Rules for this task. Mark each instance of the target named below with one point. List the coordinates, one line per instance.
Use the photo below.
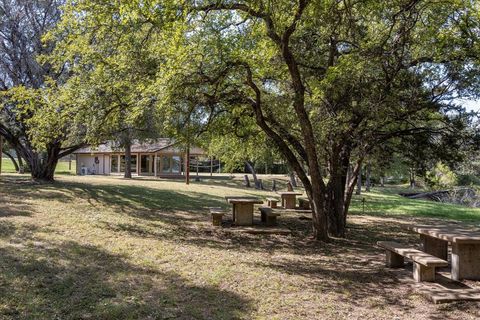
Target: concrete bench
(268, 216)
(304, 203)
(424, 264)
(272, 202)
(217, 216)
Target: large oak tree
(328, 81)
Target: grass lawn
(62, 166)
(92, 247)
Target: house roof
(112, 147)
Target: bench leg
(423, 273)
(271, 221)
(394, 260)
(263, 216)
(465, 261)
(217, 220)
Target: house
(161, 158)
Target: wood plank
(449, 233)
(438, 293)
(413, 254)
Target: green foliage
(441, 177)
(468, 180)
(112, 70)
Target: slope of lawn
(108, 248)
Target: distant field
(62, 167)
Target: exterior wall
(104, 163)
(88, 161)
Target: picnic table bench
(304, 203)
(272, 202)
(424, 264)
(242, 209)
(465, 247)
(268, 216)
(217, 216)
(289, 199)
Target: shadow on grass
(73, 281)
(123, 197)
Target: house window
(114, 163)
(176, 164)
(165, 164)
(146, 163)
(133, 166)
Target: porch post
(187, 166)
(138, 164)
(196, 159)
(155, 164)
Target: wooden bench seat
(272, 202)
(217, 216)
(304, 203)
(268, 216)
(424, 264)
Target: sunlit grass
(387, 202)
(63, 167)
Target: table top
(243, 199)
(452, 233)
(290, 193)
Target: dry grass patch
(104, 247)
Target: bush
(441, 177)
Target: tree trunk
(251, 168)
(293, 181)
(367, 178)
(359, 182)
(339, 192)
(20, 162)
(246, 181)
(289, 186)
(412, 178)
(42, 165)
(382, 181)
(128, 159)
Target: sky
(471, 105)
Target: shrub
(441, 177)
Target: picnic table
(242, 209)
(465, 248)
(289, 199)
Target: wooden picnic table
(465, 247)
(289, 199)
(242, 209)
